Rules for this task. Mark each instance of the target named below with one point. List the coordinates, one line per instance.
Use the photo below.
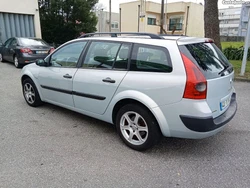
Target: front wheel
(137, 127)
(30, 93)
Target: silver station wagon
(145, 84)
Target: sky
(115, 3)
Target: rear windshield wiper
(227, 67)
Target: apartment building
(245, 15)
(229, 19)
(103, 21)
(185, 18)
(19, 19)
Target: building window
(175, 23)
(115, 25)
(151, 21)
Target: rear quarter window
(148, 58)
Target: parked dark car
(22, 51)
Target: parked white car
(148, 87)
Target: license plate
(41, 52)
(225, 103)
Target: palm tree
(211, 20)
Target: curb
(241, 79)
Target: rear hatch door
(217, 70)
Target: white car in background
(150, 86)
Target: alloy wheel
(134, 128)
(16, 62)
(29, 93)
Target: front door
(104, 68)
(6, 50)
(56, 80)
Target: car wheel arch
(125, 97)
(26, 76)
(126, 101)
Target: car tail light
(196, 84)
(26, 50)
(51, 50)
(209, 40)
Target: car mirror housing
(42, 63)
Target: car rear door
(103, 69)
(217, 71)
(56, 80)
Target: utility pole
(166, 16)
(162, 16)
(110, 16)
(244, 61)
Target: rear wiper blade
(225, 69)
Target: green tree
(211, 21)
(63, 20)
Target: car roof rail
(115, 34)
(166, 35)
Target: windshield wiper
(225, 69)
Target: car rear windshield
(209, 58)
(32, 42)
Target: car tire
(30, 93)
(137, 127)
(1, 58)
(16, 62)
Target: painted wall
(195, 26)
(103, 21)
(129, 16)
(23, 7)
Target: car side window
(7, 43)
(101, 55)
(68, 55)
(122, 58)
(13, 43)
(150, 58)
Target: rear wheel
(137, 127)
(16, 62)
(1, 57)
(30, 93)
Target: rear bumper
(207, 124)
(26, 59)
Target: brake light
(196, 84)
(209, 41)
(51, 50)
(26, 50)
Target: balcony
(230, 17)
(229, 25)
(177, 26)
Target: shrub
(233, 53)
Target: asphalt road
(53, 147)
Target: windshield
(208, 57)
(32, 42)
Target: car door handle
(67, 76)
(109, 80)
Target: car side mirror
(42, 63)
(1, 44)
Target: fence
(232, 39)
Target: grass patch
(231, 44)
(237, 67)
